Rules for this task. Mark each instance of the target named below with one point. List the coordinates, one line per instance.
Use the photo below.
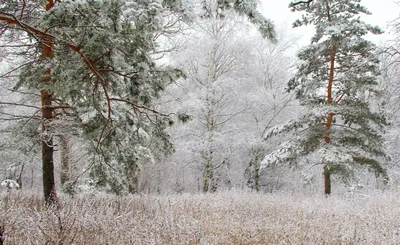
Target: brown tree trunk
(327, 137)
(19, 177)
(327, 180)
(49, 187)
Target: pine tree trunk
(46, 99)
(327, 180)
(329, 122)
(49, 188)
(327, 138)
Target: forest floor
(230, 217)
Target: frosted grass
(224, 218)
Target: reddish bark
(327, 180)
(49, 5)
(11, 19)
(327, 137)
(329, 122)
(49, 187)
(7, 19)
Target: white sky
(383, 11)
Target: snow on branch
(282, 128)
(301, 2)
(286, 153)
(334, 155)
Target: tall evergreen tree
(92, 61)
(337, 72)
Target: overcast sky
(383, 11)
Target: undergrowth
(224, 218)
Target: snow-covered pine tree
(337, 71)
(92, 61)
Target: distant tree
(390, 59)
(336, 74)
(207, 95)
(271, 66)
(212, 59)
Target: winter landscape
(199, 122)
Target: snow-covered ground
(224, 218)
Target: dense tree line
(187, 95)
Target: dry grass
(223, 218)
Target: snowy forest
(197, 122)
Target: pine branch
(137, 107)
(8, 73)
(18, 104)
(11, 19)
(302, 2)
